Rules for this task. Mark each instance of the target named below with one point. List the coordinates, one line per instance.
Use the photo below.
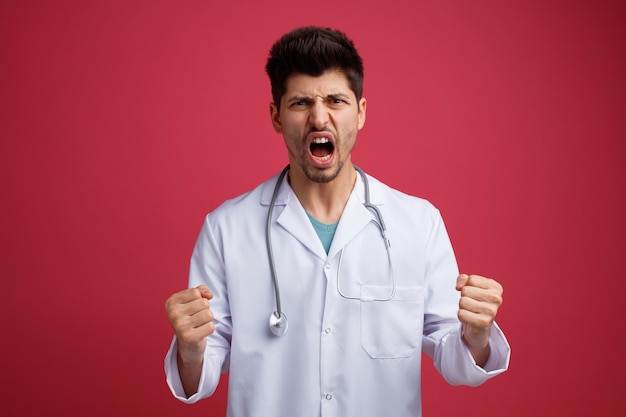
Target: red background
(124, 122)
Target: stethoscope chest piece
(278, 323)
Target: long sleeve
(456, 364)
(442, 330)
(207, 269)
(211, 372)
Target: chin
(322, 175)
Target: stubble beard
(321, 176)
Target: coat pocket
(391, 329)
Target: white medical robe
(340, 357)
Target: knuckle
(170, 303)
(174, 316)
(466, 291)
(178, 323)
(495, 285)
(488, 313)
(187, 335)
(206, 316)
(497, 299)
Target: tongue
(320, 150)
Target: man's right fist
(189, 312)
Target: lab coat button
(327, 330)
(327, 266)
(329, 397)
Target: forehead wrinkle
(328, 85)
(297, 97)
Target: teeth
(320, 140)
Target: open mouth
(321, 148)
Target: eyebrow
(332, 96)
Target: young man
(312, 245)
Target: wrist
(478, 347)
(189, 355)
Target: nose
(318, 115)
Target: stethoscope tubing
(278, 321)
(268, 238)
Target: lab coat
(340, 357)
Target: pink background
(124, 122)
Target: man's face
(319, 118)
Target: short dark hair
(312, 50)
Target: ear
(275, 116)
(361, 114)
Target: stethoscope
(278, 320)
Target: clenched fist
(189, 311)
(480, 300)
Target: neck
(324, 201)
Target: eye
(299, 103)
(336, 102)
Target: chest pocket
(391, 329)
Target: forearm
(479, 353)
(190, 372)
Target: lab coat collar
(286, 193)
(294, 219)
(356, 216)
